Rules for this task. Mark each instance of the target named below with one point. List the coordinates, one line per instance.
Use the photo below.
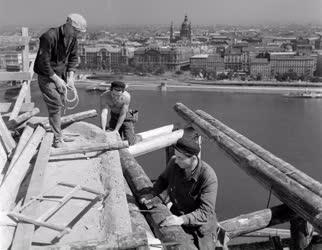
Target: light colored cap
(77, 21)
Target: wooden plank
(8, 106)
(25, 52)
(19, 101)
(15, 76)
(303, 201)
(156, 132)
(9, 142)
(3, 157)
(10, 41)
(281, 165)
(155, 143)
(27, 133)
(89, 148)
(140, 184)
(251, 222)
(10, 186)
(31, 71)
(22, 118)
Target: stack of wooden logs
(301, 193)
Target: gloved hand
(60, 85)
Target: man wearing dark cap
(117, 100)
(55, 65)
(192, 188)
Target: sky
(40, 13)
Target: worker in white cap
(55, 65)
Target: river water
(288, 127)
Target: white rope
(75, 97)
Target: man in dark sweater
(55, 65)
(192, 186)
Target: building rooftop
(200, 56)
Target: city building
(172, 58)
(260, 68)
(236, 60)
(285, 62)
(103, 58)
(207, 62)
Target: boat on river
(305, 94)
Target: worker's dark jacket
(55, 55)
(193, 195)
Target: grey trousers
(126, 130)
(54, 102)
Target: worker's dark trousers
(54, 103)
(126, 130)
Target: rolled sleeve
(207, 205)
(73, 58)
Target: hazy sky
(110, 12)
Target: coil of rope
(74, 99)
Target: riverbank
(174, 85)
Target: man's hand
(172, 220)
(147, 200)
(60, 84)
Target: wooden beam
(8, 106)
(89, 148)
(114, 241)
(267, 156)
(140, 184)
(303, 201)
(10, 185)
(15, 76)
(10, 41)
(156, 132)
(247, 223)
(155, 143)
(22, 94)
(9, 142)
(24, 138)
(115, 208)
(69, 119)
(25, 52)
(22, 118)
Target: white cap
(77, 21)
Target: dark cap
(118, 85)
(187, 147)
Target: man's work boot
(58, 143)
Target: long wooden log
(113, 241)
(116, 211)
(138, 220)
(9, 142)
(27, 133)
(10, 186)
(90, 148)
(247, 223)
(267, 156)
(139, 184)
(303, 201)
(156, 132)
(65, 120)
(22, 118)
(3, 158)
(8, 106)
(24, 232)
(155, 143)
